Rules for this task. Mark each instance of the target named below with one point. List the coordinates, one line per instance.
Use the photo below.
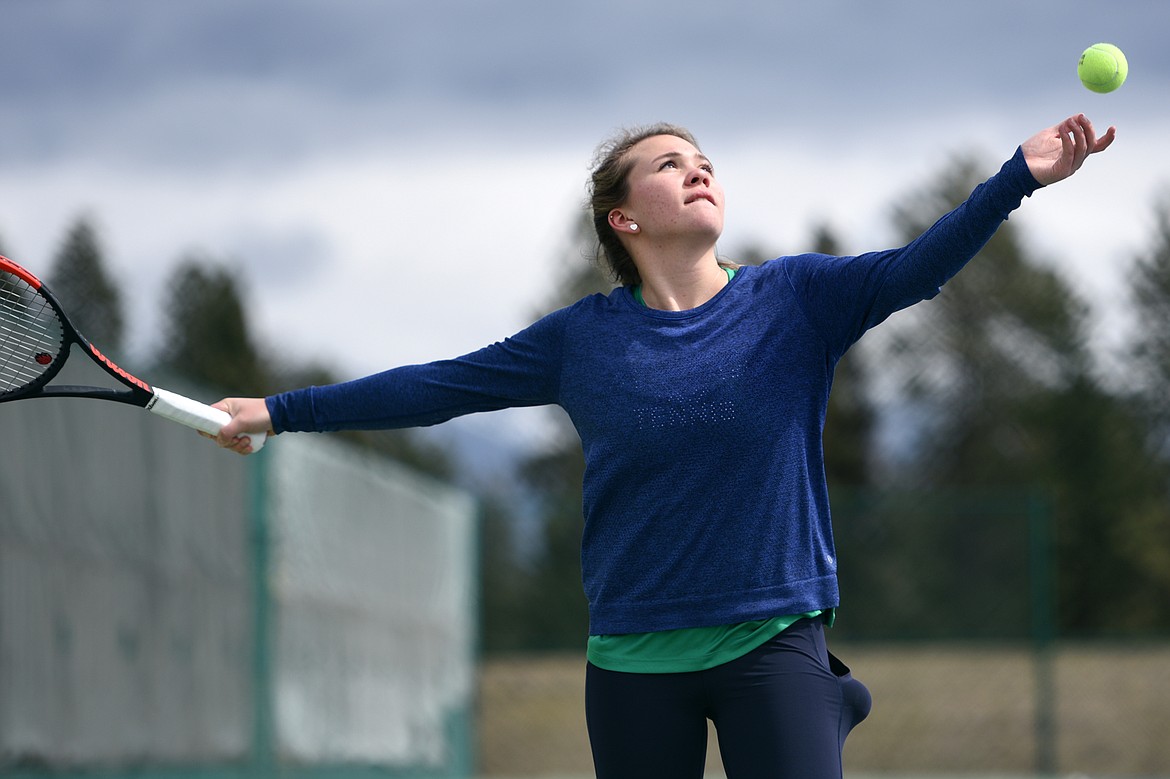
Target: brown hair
(609, 187)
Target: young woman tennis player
(699, 391)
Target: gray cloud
(264, 130)
(219, 82)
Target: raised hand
(1059, 151)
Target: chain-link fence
(956, 643)
(170, 609)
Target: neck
(680, 285)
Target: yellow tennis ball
(1102, 67)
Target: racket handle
(194, 414)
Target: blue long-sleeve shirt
(705, 496)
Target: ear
(622, 222)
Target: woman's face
(673, 192)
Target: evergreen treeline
(205, 340)
(992, 476)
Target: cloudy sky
(396, 181)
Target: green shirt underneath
(686, 649)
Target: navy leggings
(781, 712)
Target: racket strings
(31, 334)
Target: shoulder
(616, 301)
(593, 305)
(589, 309)
(788, 269)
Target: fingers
(1106, 139)
(1078, 140)
(1076, 137)
(1083, 138)
(240, 444)
(1080, 127)
(227, 436)
(1067, 130)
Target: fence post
(263, 735)
(1043, 631)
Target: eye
(667, 164)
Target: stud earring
(633, 227)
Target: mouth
(700, 196)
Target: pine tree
(1149, 358)
(1002, 335)
(80, 281)
(1000, 390)
(850, 420)
(206, 335)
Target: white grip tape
(194, 414)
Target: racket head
(35, 335)
(35, 341)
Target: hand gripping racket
(36, 339)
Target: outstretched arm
(522, 370)
(1059, 151)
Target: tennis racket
(36, 338)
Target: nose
(698, 176)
